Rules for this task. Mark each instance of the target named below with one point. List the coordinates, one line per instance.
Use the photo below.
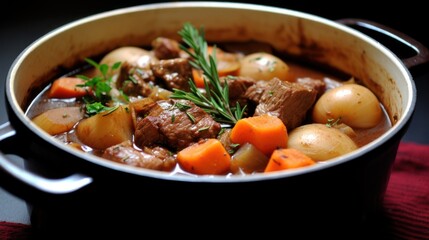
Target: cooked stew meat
(198, 108)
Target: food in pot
(197, 108)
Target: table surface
(34, 20)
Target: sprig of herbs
(100, 86)
(332, 122)
(215, 100)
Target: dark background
(21, 23)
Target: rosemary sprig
(215, 101)
(332, 122)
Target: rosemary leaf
(215, 100)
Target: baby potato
(354, 104)
(263, 66)
(320, 142)
(133, 55)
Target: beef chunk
(165, 48)
(238, 86)
(125, 153)
(179, 124)
(287, 100)
(142, 80)
(316, 84)
(148, 132)
(225, 139)
(168, 157)
(174, 73)
(255, 92)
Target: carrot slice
(205, 157)
(287, 158)
(197, 75)
(65, 87)
(265, 132)
(227, 64)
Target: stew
(208, 108)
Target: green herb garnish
(100, 86)
(215, 100)
(97, 107)
(204, 128)
(332, 122)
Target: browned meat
(255, 92)
(144, 107)
(316, 84)
(238, 86)
(287, 100)
(126, 154)
(178, 125)
(165, 48)
(148, 132)
(225, 139)
(135, 81)
(175, 73)
(162, 153)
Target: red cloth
(406, 204)
(14, 231)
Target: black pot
(72, 193)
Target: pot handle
(421, 52)
(16, 179)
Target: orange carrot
(265, 132)
(205, 157)
(197, 75)
(287, 158)
(227, 64)
(65, 87)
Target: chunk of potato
(106, 129)
(248, 159)
(58, 120)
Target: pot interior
(294, 33)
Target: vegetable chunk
(205, 157)
(265, 132)
(287, 158)
(58, 120)
(67, 87)
(248, 159)
(320, 142)
(106, 129)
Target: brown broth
(296, 70)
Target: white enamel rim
(408, 108)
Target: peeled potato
(320, 142)
(58, 120)
(134, 55)
(248, 159)
(355, 105)
(106, 129)
(263, 66)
